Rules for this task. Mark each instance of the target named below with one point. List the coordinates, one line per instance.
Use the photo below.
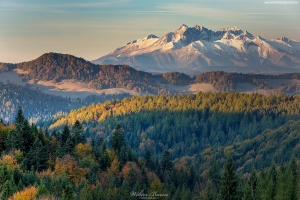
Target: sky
(91, 29)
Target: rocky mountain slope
(198, 49)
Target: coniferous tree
(68, 147)
(292, 178)
(100, 194)
(68, 192)
(78, 136)
(27, 136)
(117, 141)
(19, 120)
(7, 190)
(272, 182)
(247, 193)
(37, 157)
(65, 135)
(208, 193)
(42, 190)
(252, 182)
(214, 175)
(14, 140)
(229, 186)
(166, 164)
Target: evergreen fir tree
(27, 136)
(292, 177)
(85, 193)
(247, 193)
(4, 174)
(37, 157)
(117, 141)
(208, 193)
(272, 182)
(68, 148)
(78, 136)
(19, 120)
(7, 191)
(100, 193)
(253, 181)
(228, 190)
(166, 163)
(42, 190)
(214, 175)
(68, 192)
(65, 135)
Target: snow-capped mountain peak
(197, 49)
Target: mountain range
(198, 49)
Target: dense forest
(188, 125)
(36, 164)
(228, 81)
(40, 106)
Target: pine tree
(214, 175)
(144, 182)
(253, 182)
(27, 136)
(78, 136)
(292, 177)
(19, 120)
(68, 192)
(68, 147)
(166, 163)
(37, 157)
(14, 140)
(7, 190)
(100, 193)
(42, 190)
(4, 174)
(65, 135)
(117, 141)
(228, 190)
(272, 182)
(208, 193)
(148, 158)
(247, 193)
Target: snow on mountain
(198, 49)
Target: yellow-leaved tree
(26, 194)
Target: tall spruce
(229, 185)
(166, 163)
(293, 179)
(19, 120)
(78, 136)
(117, 141)
(27, 136)
(65, 135)
(37, 157)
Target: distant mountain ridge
(199, 49)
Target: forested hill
(64, 165)
(54, 66)
(41, 106)
(57, 67)
(194, 124)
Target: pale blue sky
(91, 29)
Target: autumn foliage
(26, 194)
(67, 165)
